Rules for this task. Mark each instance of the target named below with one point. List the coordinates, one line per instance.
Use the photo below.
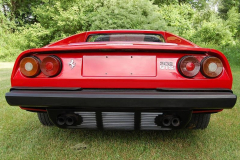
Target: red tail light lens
(189, 66)
(51, 66)
(30, 66)
(211, 67)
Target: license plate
(119, 66)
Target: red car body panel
(162, 52)
(124, 65)
(161, 79)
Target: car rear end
(122, 85)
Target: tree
(64, 18)
(198, 4)
(233, 21)
(20, 11)
(226, 5)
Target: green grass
(23, 137)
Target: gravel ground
(6, 64)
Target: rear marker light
(211, 67)
(30, 66)
(189, 66)
(51, 66)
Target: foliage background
(26, 24)
(29, 24)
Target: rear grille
(89, 120)
(120, 120)
(148, 121)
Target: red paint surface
(208, 111)
(149, 76)
(34, 109)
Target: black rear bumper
(96, 98)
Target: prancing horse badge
(72, 64)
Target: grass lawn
(23, 137)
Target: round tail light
(189, 66)
(211, 67)
(30, 66)
(51, 66)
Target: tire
(44, 119)
(199, 121)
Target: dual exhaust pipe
(68, 119)
(73, 119)
(174, 121)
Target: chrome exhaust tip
(70, 120)
(61, 120)
(166, 122)
(175, 122)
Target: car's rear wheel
(44, 119)
(199, 121)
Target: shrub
(213, 32)
(124, 14)
(58, 21)
(36, 35)
(233, 21)
(179, 17)
(10, 43)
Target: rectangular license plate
(119, 66)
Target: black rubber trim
(99, 120)
(45, 89)
(122, 89)
(194, 90)
(122, 99)
(137, 120)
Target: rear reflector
(30, 66)
(211, 67)
(51, 66)
(189, 66)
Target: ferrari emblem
(72, 64)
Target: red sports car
(122, 79)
